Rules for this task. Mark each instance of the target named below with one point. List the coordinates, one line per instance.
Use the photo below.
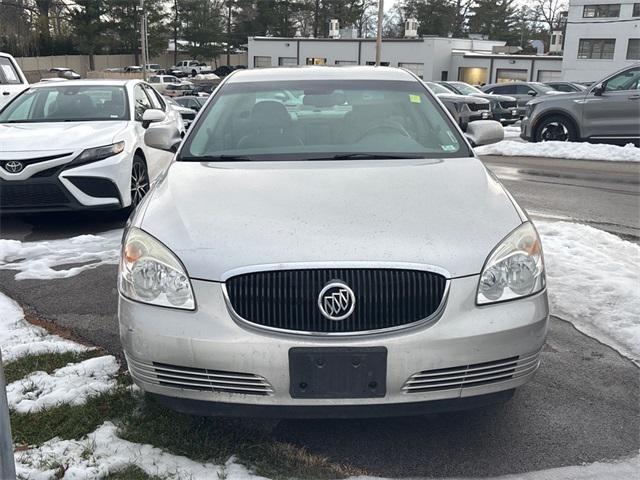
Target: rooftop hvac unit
(411, 28)
(334, 28)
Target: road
(583, 405)
(605, 195)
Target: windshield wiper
(363, 156)
(216, 158)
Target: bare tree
(547, 11)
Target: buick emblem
(336, 301)
(13, 166)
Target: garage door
(549, 75)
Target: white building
(430, 57)
(602, 36)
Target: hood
(558, 97)
(455, 98)
(218, 217)
(494, 97)
(32, 137)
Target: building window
(553, 39)
(600, 11)
(346, 62)
(382, 64)
(633, 49)
(511, 75)
(596, 48)
(316, 61)
(417, 68)
(636, 10)
(287, 61)
(261, 61)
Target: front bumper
(170, 351)
(526, 129)
(61, 186)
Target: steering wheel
(388, 125)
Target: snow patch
(570, 150)
(102, 453)
(512, 131)
(593, 281)
(71, 385)
(19, 338)
(36, 260)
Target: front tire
(139, 181)
(556, 128)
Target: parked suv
(12, 80)
(608, 111)
(464, 108)
(504, 109)
(522, 91)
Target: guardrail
(7, 464)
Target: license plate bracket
(338, 372)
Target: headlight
(99, 153)
(150, 273)
(514, 269)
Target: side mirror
(163, 137)
(532, 93)
(152, 115)
(484, 132)
(598, 90)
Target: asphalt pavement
(583, 405)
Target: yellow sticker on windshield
(414, 98)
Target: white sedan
(79, 145)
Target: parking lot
(582, 406)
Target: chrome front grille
(471, 375)
(508, 104)
(202, 379)
(287, 300)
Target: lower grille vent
(31, 195)
(199, 378)
(471, 375)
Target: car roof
(319, 73)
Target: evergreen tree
(88, 27)
(496, 19)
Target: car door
(616, 111)
(524, 93)
(11, 81)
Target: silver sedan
(345, 254)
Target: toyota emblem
(13, 166)
(336, 301)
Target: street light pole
(7, 465)
(379, 35)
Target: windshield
(306, 120)
(466, 89)
(437, 89)
(62, 103)
(542, 87)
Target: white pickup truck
(192, 67)
(12, 80)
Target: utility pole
(7, 465)
(143, 40)
(379, 35)
(229, 33)
(175, 33)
